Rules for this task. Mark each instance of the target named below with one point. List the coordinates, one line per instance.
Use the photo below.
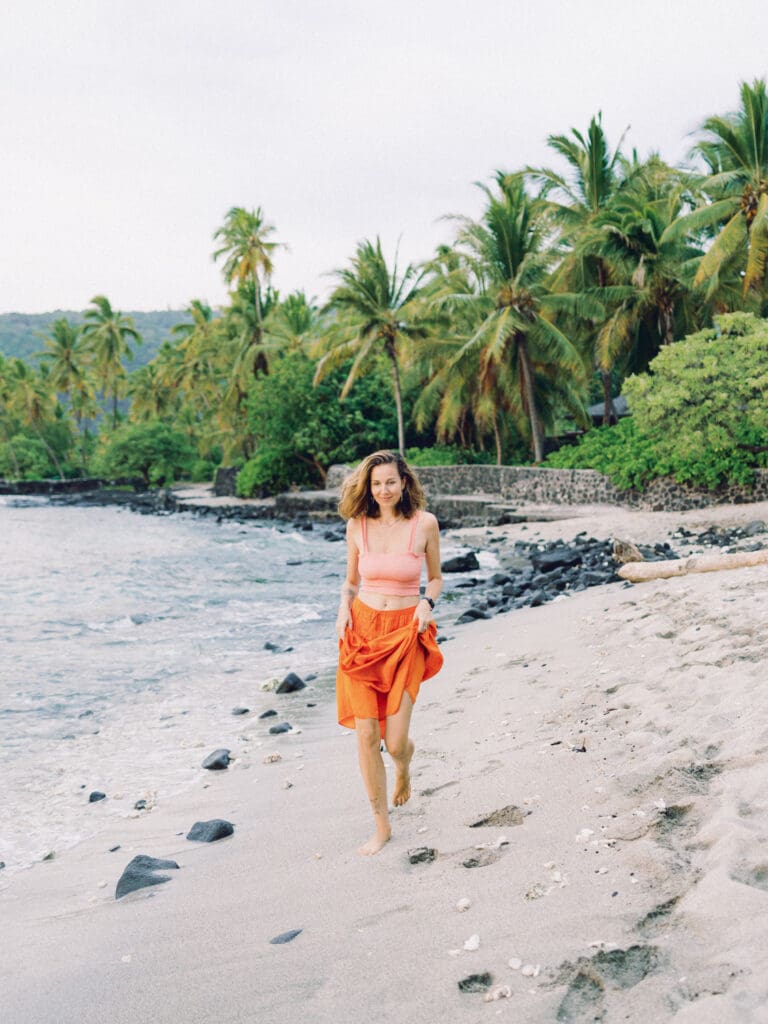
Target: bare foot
(402, 793)
(374, 844)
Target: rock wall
(535, 485)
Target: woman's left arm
(423, 610)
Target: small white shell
(515, 963)
(463, 904)
(472, 944)
(497, 992)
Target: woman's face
(386, 485)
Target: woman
(387, 643)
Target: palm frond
(729, 241)
(757, 260)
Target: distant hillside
(20, 332)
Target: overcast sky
(127, 130)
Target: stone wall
(80, 485)
(538, 486)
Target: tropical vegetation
(601, 272)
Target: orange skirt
(382, 656)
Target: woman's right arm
(351, 581)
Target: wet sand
(618, 742)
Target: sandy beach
(616, 740)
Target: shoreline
(625, 727)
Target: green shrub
(153, 450)
(25, 458)
(270, 472)
(699, 415)
(301, 428)
(202, 470)
(447, 455)
(617, 452)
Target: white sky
(128, 129)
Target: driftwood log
(639, 572)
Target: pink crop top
(395, 574)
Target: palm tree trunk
(537, 433)
(667, 317)
(50, 451)
(259, 362)
(497, 438)
(390, 350)
(609, 412)
(114, 408)
(83, 435)
(12, 450)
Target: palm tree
(151, 397)
(33, 401)
(377, 314)
(294, 321)
(736, 192)
(247, 253)
(108, 333)
(8, 421)
(67, 357)
(507, 254)
(200, 361)
(65, 354)
(593, 179)
(245, 321)
(652, 267)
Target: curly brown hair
(357, 500)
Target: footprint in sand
(755, 876)
(590, 979)
(509, 815)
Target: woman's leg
(401, 749)
(375, 779)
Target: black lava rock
(268, 714)
(461, 563)
(471, 614)
(476, 983)
(217, 761)
(499, 579)
(240, 711)
(558, 558)
(96, 795)
(141, 872)
(210, 831)
(280, 940)
(275, 730)
(591, 578)
(290, 684)
(140, 805)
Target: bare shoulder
(428, 531)
(428, 522)
(354, 531)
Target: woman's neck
(390, 519)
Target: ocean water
(125, 641)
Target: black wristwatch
(429, 601)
